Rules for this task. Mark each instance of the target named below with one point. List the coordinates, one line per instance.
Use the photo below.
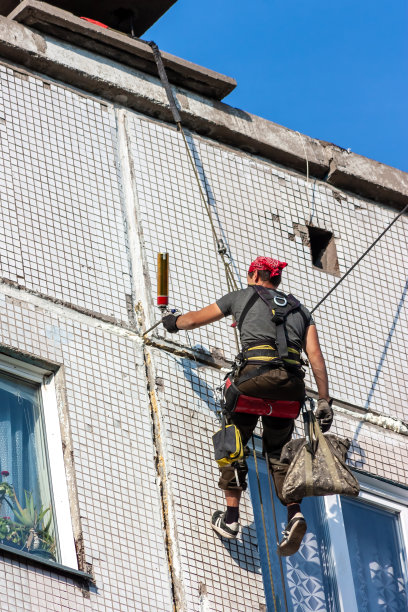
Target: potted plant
(34, 526)
(30, 529)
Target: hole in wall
(323, 250)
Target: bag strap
(223, 429)
(311, 426)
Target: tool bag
(227, 443)
(317, 464)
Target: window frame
(53, 442)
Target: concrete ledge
(116, 45)
(121, 15)
(142, 92)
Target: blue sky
(337, 71)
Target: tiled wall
(63, 225)
(61, 210)
(114, 459)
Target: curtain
(22, 449)
(376, 555)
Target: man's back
(257, 325)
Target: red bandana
(267, 263)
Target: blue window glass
(307, 574)
(376, 556)
(26, 513)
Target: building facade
(108, 479)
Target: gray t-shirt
(258, 325)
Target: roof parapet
(129, 16)
(120, 47)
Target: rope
(226, 259)
(219, 243)
(307, 175)
(359, 259)
(276, 531)
(264, 527)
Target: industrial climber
(271, 376)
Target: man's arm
(316, 359)
(196, 318)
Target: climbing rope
(264, 528)
(219, 243)
(276, 529)
(226, 259)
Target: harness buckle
(278, 319)
(280, 300)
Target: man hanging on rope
(280, 378)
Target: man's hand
(324, 414)
(170, 323)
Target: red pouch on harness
(234, 401)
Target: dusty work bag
(227, 444)
(317, 464)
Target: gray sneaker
(293, 535)
(226, 530)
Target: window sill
(53, 566)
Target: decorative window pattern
(29, 514)
(353, 556)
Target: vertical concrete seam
(141, 291)
(140, 283)
(166, 493)
(69, 462)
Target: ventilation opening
(323, 250)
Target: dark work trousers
(276, 384)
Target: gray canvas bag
(317, 464)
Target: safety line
(222, 251)
(221, 248)
(276, 529)
(359, 259)
(264, 525)
(307, 175)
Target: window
(323, 250)
(353, 557)
(34, 512)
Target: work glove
(169, 323)
(324, 414)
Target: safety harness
(277, 353)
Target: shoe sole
(294, 539)
(223, 533)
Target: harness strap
(281, 343)
(262, 353)
(254, 298)
(279, 311)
